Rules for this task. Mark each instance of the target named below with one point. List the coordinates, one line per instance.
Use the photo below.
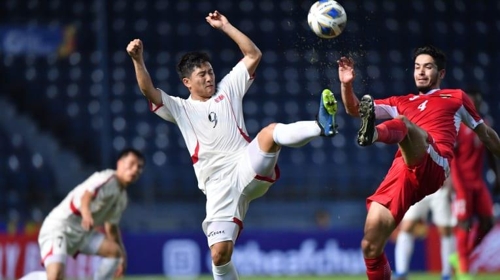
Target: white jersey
(214, 131)
(108, 203)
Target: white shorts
(57, 241)
(230, 191)
(222, 231)
(438, 204)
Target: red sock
(463, 248)
(392, 131)
(378, 268)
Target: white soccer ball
(327, 18)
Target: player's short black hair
(189, 61)
(438, 55)
(125, 152)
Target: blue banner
(36, 40)
(256, 253)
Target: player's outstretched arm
(491, 140)
(346, 78)
(489, 137)
(492, 162)
(251, 52)
(135, 50)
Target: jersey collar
(432, 91)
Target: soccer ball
(327, 18)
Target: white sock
(447, 248)
(225, 272)
(403, 251)
(107, 268)
(35, 275)
(295, 134)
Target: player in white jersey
(231, 168)
(439, 205)
(71, 227)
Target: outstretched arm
(491, 140)
(346, 77)
(251, 53)
(492, 162)
(489, 137)
(135, 50)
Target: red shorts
(403, 186)
(472, 199)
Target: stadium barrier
(257, 252)
(186, 254)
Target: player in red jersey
(425, 126)
(472, 197)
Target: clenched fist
(216, 20)
(135, 49)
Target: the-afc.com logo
(181, 257)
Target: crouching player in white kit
(231, 168)
(70, 228)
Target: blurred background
(69, 101)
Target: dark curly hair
(438, 55)
(189, 61)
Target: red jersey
(467, 166)
(438, 112)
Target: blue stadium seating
(25, 179)
(65, 94)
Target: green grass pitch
(414, 276)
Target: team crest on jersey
(219, 98)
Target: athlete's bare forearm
(246, 45)
(490, 138)
(492, 162)
(351, 102)
(145, 83)
(251, 52)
